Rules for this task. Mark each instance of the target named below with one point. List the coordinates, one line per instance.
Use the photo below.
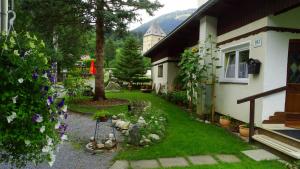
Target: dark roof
(190, 20)
(231, 14)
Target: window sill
(235, 81)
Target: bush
(29, 114)
(177, 97)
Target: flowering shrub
(31, 121)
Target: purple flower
(37, 118)
(66, 115)
(35, 76)
(52, 79)
(46, 88)
(61, 103)
(50, 100)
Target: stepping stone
(201, 160)
(122, 164)
(173, 162)
(260, 154)
(228, 158)
(143, 164)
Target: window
(235, 64)
(160, 71)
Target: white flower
(39, 119)
(57, 125)
(14, 99)
(65, 108)
(62, 116)
(27, 142)
(49, 141)
(21, 80)
(42, 129)
(48, 102)
(45, 75)
(52, 158)
(11, 117)
(64, 137)
(46, 149)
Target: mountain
(167, 22)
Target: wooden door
(292, 103)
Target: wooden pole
(251, 120)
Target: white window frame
(236, 48)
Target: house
(267, 31)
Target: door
(292, 103)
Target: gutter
(198, 12)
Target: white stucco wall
(170, 70)
(277, 58)
(273, 54)
(227, 94)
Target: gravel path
(72, 154)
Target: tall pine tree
(130, 62)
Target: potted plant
(244, 130)
(225, 121)
(102, 115)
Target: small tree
(198, 67)
(130, 62)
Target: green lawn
(186, 136)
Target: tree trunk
(99, 77)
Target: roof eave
(198, 12)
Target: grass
(242, 165)
(186, 136)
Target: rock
(99, 146)
(122, 124)
(134, 135)
(108, 144)
(144, 142)
(114, 117)
(114, 122)
(154, 137)
(207, 122)
(126, 133)
(141, 121)
(111, 137)
(92, 139)
(147, 140)
(125, 126)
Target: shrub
(30, 117)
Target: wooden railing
(252, 99)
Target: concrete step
(278, 145)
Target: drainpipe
(4, 15)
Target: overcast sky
(169, 6)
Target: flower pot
(244, 131)
(103, 119)
(225, 123)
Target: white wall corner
(208, 26)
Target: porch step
(290, 119)
(277, 118)
(278, 145)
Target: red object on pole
(92, 68)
